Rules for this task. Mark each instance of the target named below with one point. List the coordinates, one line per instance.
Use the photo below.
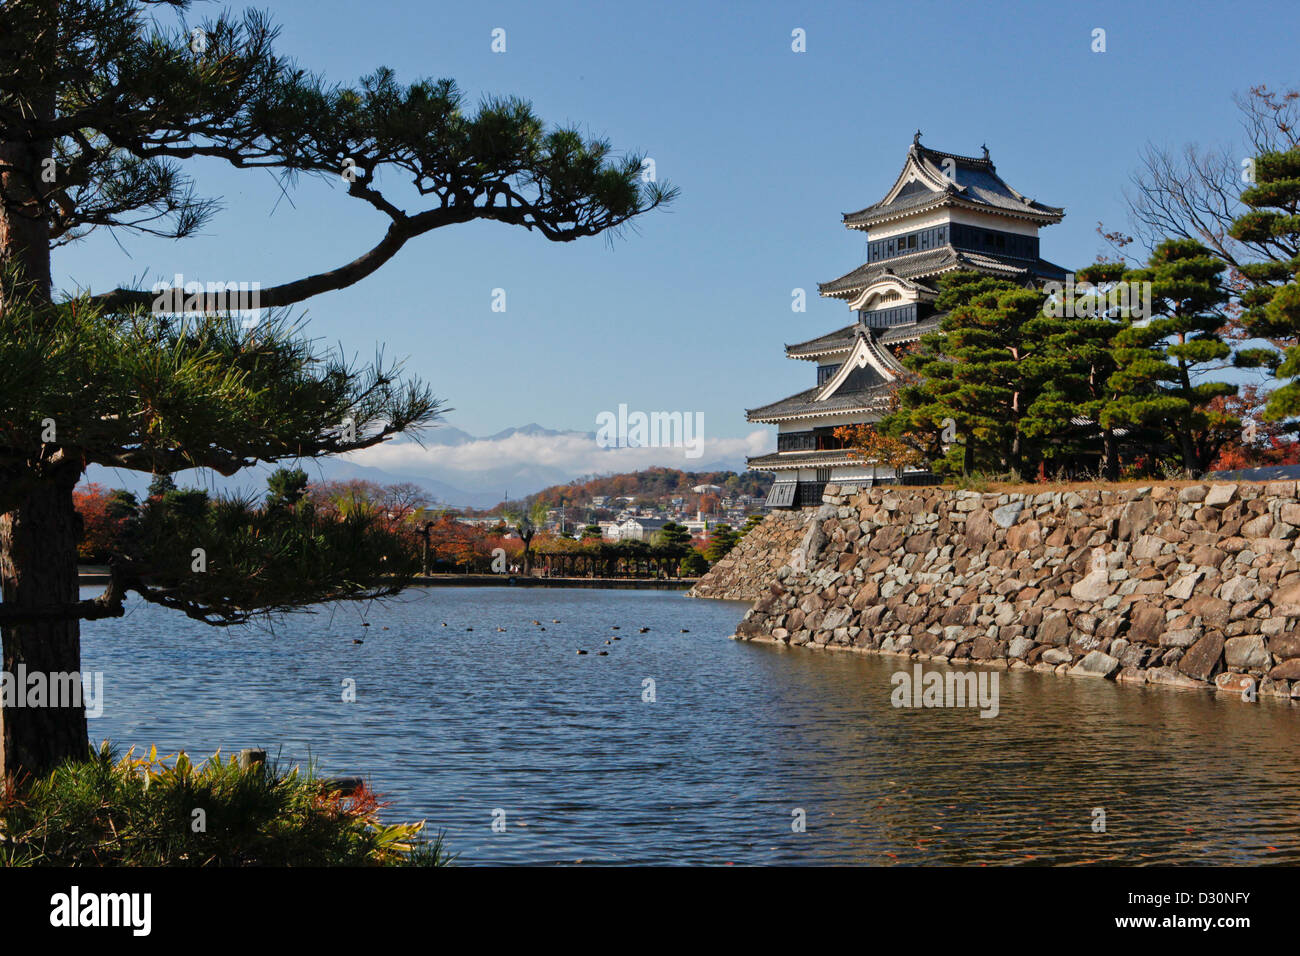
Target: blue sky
(689, 312)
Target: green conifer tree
(1273, 301)
(1161, 361)
(972, 370)
(1069, 369)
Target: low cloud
(573, 453)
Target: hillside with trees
(649, 485)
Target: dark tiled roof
(910, 333)
(976, 184)
(805, 403)
(1050, 270)
(839, 339)
(803, 459)
(929, 262)
(935, 261)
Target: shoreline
(1013, 666)
(87, 578)
(522, 581)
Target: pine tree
(1273, 302)
(722, 538)
(1069, 368)
(672, 533)
(972, 370)
(1160, 360)
(285, 487)
(161, 485)
(105, 112)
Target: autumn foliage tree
(1261, 441)
(104, 522)
(868, 443)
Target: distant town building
(944, 213)
(489, 522)
(639, 528)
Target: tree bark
(38, 567)
(24, 230)
(38, 538)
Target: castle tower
(944, 213)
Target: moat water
(741, 741)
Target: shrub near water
(113, 810)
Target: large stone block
(1285, 645)
(1287, 670)
(1095, 664)
(1203, 659)
(1093, 587)
(1171, 677)
(1181, 637)
(1243, 685)
(1008, 514)
(1055, 629)
(1220, 495)
(1135, 518)
(1146, 623)
(1249, 653)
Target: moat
(453, 724)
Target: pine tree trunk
(1111, 455)
(38, 539)
(38, 566)
(1190, 468)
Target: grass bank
(116, 809)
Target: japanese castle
(944, 213)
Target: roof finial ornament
(986, 151)
(916, 139)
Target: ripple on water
(451, 724)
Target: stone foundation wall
(1195, 586)
(745, 572)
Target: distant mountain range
(456, 468)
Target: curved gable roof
(931, 178)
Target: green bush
(694, 564)
(112, 810)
